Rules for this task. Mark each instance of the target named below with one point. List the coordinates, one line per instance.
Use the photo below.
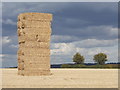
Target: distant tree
(100, 58)
(78, 58)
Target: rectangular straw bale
(35, 44)
(37, 55)
(39, 38)
(36, 59)
(35, 17)
(35, 24)
(42, 30)
(35, 51)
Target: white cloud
(91, 32)
(5, 40)
(9, 60)
(9, 39)
(102, 30)
(9, 21)
(88, 43)
(1, 58)
(14, 46)
(9, 44)
(63, 52)
(63, 38)
(69, 48)
(62, 49)
(2, 55)
(114, 31)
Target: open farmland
(63, 78)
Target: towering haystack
(34, 30)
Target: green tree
(78, 58)
(100, 58)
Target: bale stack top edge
(35, 16)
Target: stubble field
(63, 78)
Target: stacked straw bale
(34, 31)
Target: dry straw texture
(34, 31)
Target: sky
(85, 27)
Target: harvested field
(63, 78)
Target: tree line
(99, 58)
